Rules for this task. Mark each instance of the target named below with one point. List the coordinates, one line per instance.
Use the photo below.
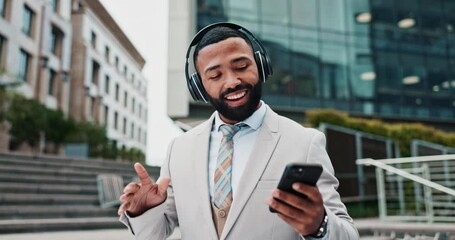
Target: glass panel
(51, 82)
(2, 8)
(27, 19)
(24, 59)
(332, 15)
(246, 10)
(333, 70)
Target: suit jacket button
(222, 214)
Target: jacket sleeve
(159, 222)
(340, 224)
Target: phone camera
(297, 172)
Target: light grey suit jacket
(280, 141)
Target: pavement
(111, 234)
(363, 225)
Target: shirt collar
(254, 121)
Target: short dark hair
(216, 35)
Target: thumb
(142, 174)
(163, 182)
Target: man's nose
(232, 81)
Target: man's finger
(122, 209)
(311, 192)
(131, 188)
(142, 174)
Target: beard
(244, 111)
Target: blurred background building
(392, 60)
(71, 55)
(107, 82)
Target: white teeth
(236, 96)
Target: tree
(27, 118)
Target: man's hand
(305, 215)
(140, 197)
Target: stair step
(46, 199)
(40, 225)
(58, 211)
(34, 178)
(47, 188)
(84, 165)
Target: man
(220, 178)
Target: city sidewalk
(111, 234)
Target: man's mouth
(236, 96)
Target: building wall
(181, 31)
(38, 47)
(368, 58)
(91, 99)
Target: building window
(133, 105)
(124, 125)
(3, 8)
(107, 53)
(56, 41)
(24, 65)
(2, 52)
(106, 115)
(55, 5)
(116, 62)
(139, 134)
(125, 71)
(27, 21)
(107, 84)
(51, 83)
(93, 39)
(140, 111)
(115, 120)
(132, 131)
(125, 99)
(117, 92)
(95, 72)
(92, 107)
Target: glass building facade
(393, 58)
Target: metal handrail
(412, 159)
(383, 165)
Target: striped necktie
(223, 172)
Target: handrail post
(428, 194)
(381, 193)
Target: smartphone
(298, 172)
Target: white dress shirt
(243, 144)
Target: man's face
(230, 77)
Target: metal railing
(344, 146)
(419, 189)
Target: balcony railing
(418, 189)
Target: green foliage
(363, 209)
(30, 119)
(403, 133)
(27, 118)
(132, 154)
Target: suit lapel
(260, 155)
(201, 174)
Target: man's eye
(242, 67)
(215, 76)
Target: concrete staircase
(46, 193)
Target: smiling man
(220, 178)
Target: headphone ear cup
(263, 63)
(196, 88)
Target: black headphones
(193, 80)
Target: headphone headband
(194, 82)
